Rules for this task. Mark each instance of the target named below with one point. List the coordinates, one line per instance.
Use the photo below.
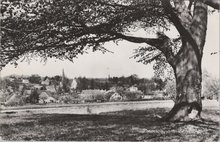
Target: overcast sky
(96, 64)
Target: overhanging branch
(213, 3)
(151, 41)
(162, 43)
(179, 26)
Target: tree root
(184, 111)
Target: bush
(4, 96)
(93, 95)
(67, 99)
(170, 89)
(132, 96)
(99, 97)
(34, 97)
(16, 100)
(211, 86)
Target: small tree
(35, 79)
(66, 85)
(34, 97)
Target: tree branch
(213, 3)
(190, 4)
(185, 34)
(162, 43)
(151, 41)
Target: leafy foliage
(64, 29)
(34, 97)
(35, 79)
(66, 84)
(211, 86)
(132, 96)
(161, 67)
(121, 83)
(170, 88)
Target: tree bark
(187, 66)
(188, 76)
(213, 3)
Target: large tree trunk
(188, 76)
(187, 66)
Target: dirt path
(96, 108)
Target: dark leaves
(65, 28)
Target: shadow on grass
(113, 126)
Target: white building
(25, 81)
(46, 81)
(133, 89)
(73, 84)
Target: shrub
(4, 96)
(15, 100)
(99, 97)
(170, 89)
(67, 99)
(132, 96)
(92, 95)
(210, 86)
(34, 97)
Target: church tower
(63, 77)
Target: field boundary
(96, 108)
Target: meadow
(125, 125)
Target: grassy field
(138, 125)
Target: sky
(99, 65)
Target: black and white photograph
(110, 70)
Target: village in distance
(19, 90)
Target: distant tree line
(63, 84)
(143, 84)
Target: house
(133, 89)
(37, 86)
(27, 92)
(20, 87)
(45, 98)
(51, 88)
(115, 97)
(3, 96)
(14, 99)
(73, 84)
(25, 81)
(46, 81)
(112, 95)
(147, 97)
